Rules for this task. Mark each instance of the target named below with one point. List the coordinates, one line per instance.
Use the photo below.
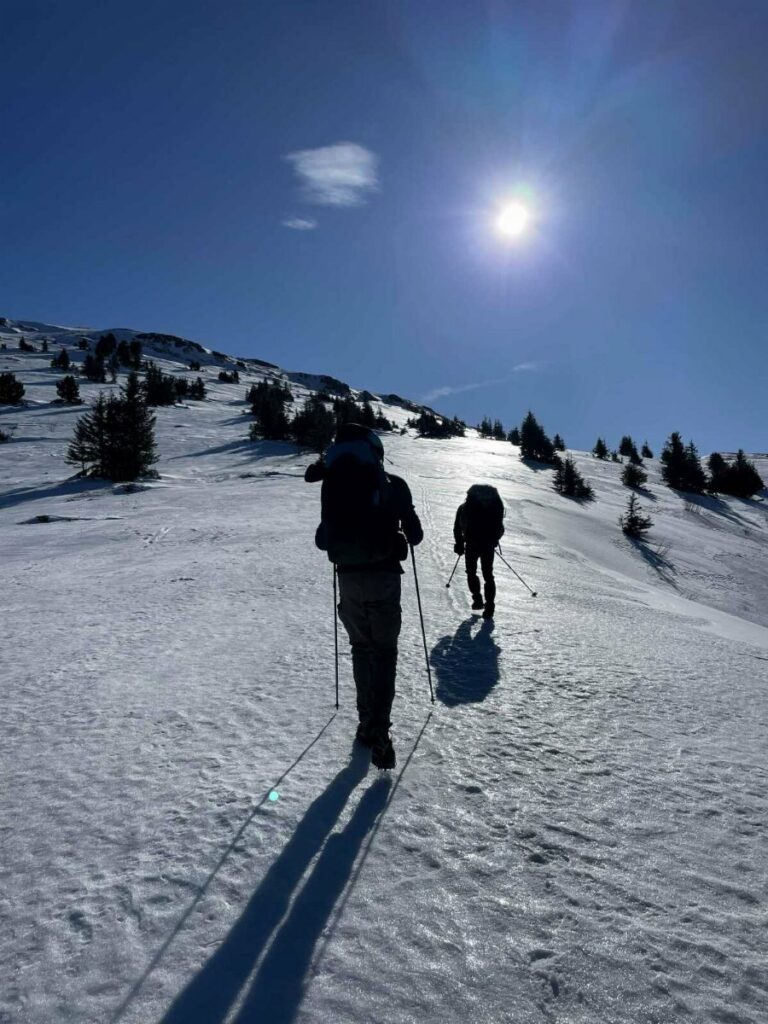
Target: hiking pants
(369, 607)
(485, 555)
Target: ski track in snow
(575, 831)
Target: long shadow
(716, 505)
(659, 563)
(466, 665)
(211, 994)
(278, 988)
(140, 982)
(20, 495)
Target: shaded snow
(575, 830)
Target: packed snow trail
(575, 833)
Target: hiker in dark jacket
(477, 530)
(368, 521)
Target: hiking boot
(383, 755)
(363, 735)
(477, 602)
(489, 610)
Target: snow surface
(575, 831)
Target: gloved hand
(458, 547)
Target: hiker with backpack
(367, 523)
(477, 529)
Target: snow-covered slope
(575, 830)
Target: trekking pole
(533, 592)
(421, 617)
(454, 570)
(336, 634)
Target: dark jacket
(404, 512)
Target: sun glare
(513, 220)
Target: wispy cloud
(344, 174)
(300, 223)
(445, 391)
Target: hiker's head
(357, 432)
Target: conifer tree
(197, 389)
(739, 478)
(45, 345)
(24, 346)
(61, 361)
(93, 368)
(615, 457)
(627, 446)
(646, 451)
(633, 475)
(11, 390)
(159, 387)
(569, 482)
(633, 522)
(486, 427)
(314, 425)
(514, 436)
(499, 432)
(558, 443)
(534, 443)
(115, 439)
(68, 390)
(106, 345)
(681, 468)
(268, 403)
(600, 450)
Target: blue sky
(316, 183)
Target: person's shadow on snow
(466, 665)
(277, 989)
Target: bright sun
(513, 220)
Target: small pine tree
(739, 478)
(559, 443)
(106, 345)
(93, 368)
(194, 365)
(314, 425)
(84, 345)
(485, 429)
(24, 346)
(514, 436)
(11, 390)
(627, 448)
(268, 403)
(569, 482)
(600, 450)
(633, 475)
(68, 390)
(115, 439)
(159, 387)
(135, 350)
(499, 433)
(646, 451)
(61, 361)
(44, 346)
(633, 522)
(615, 457)
(197, 389)
(534, 443)
(427, 424)
(681, 468)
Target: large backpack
(482, 517)
(359, 525)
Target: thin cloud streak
(300, 223)
(445, 391)
(344, 174)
